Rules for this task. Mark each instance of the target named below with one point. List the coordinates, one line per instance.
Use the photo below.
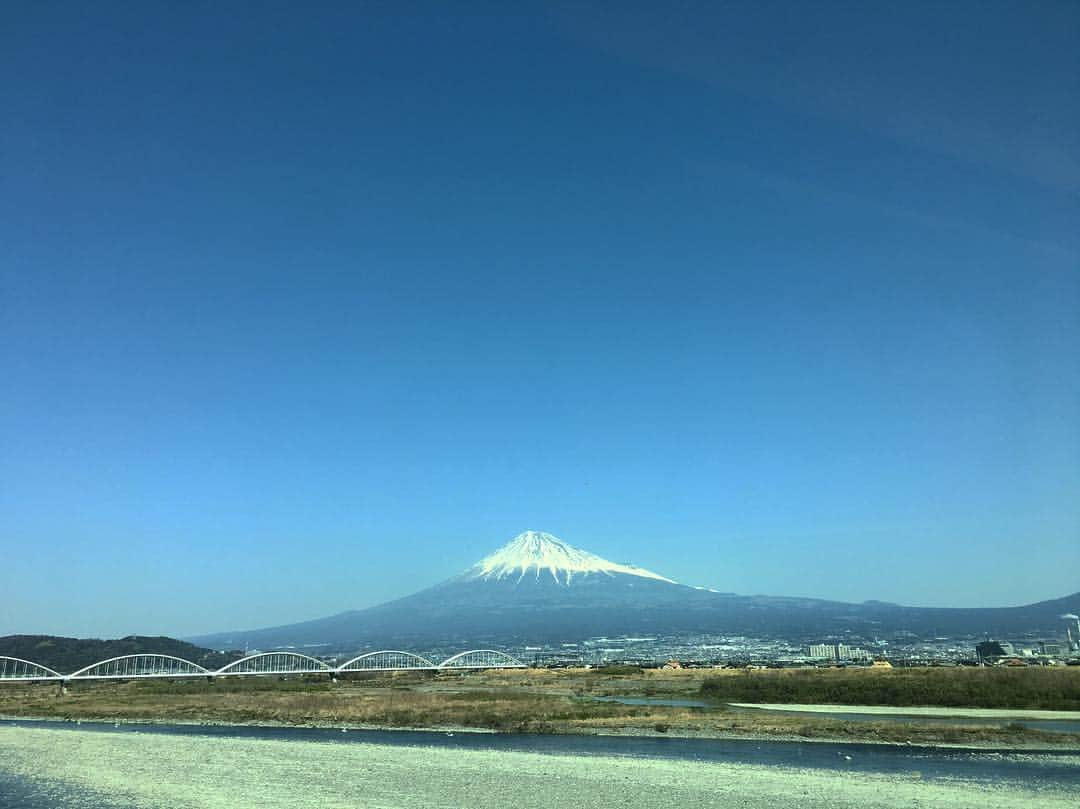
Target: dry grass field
(537, 701)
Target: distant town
(898, 649)
(741, 651)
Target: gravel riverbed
(153, 771)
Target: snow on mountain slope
(540, 554)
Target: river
(48, 765)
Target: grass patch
(1031, 688)
(616, 670)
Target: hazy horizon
(140, 630)
(302, 310)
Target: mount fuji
(540, 589)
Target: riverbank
(578, 703)
(927, 712)
(1056, 744)
(148, 770)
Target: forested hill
(67, 655)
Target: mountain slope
(538, 588)
(69, 654)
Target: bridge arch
(387, 660)
(139, 665)
(274, 663)
(482, 659)
(15, 668)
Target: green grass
(199, 685)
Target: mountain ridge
(66, 654)
(537, 588)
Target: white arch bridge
(160, 666)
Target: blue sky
(304, 308)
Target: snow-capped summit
(539, 554)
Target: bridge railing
(273, 663)
(387, 660)
(481, 659)
(18, 670)
(134, 666)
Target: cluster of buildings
(851, 648)
(999, 652)
(994, 652)
(837, 652)
(898, 648)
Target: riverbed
(102, 767)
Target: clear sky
(304, 306)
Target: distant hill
(67, 655)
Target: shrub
(1046, 688)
